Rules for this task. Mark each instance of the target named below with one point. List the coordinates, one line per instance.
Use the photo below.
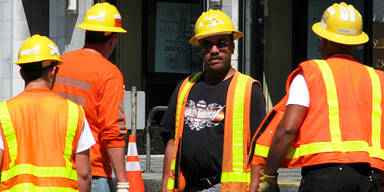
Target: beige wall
(129, 48)
(278, 54)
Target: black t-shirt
(203, 134)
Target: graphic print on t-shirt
(202, 115)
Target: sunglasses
(220, 44)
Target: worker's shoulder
(308, 62)
(37, 96)
(59, 102)
(90, 60)
(255, 82)
(85, 56)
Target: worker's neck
(39, 83)
(329, 49)
(215, 77)
(328, 55)
(98, 48)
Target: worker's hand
(268, 183)
(122, 187)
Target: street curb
(154, 185)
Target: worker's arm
(1, 157)
(167, 164)
(168, 122)
(113, 131)
(83, 167)
(284, 136)
(255, 178)
(116, 156)
(256, 117)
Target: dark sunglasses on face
(220, 44)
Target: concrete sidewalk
(289, 179)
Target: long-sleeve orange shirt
(90, 80)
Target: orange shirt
(40, 123)
(89, 79)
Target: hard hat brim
(195, 40)
(339, 38)
(99, 28)
(39, 59)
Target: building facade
(154, 55)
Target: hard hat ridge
(213, 22)
(103, 17)
(341, 23)
(38, 49)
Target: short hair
(96, 37)
(33, 71)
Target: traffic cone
(132, 167)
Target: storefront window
(170, 25)
(174, 27)
(168, 58)
(378, 35)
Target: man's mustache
(215, 57)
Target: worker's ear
(52, 76)
(232, 47)
(21, 73)
(112, 41)
(54, 71)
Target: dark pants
(203, 184)
(357, 177)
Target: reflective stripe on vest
(19, 169)
(171, 181)
(183, 94)
(238, 174)
(376, 150)
(32, 188)
(336, 144)
(187, 86)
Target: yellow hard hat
(38, 49)
(213, 22)
(341, 23)
(102, 17)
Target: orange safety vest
(235, 174)
(344, 119)
(39, 156)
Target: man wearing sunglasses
(212, 115)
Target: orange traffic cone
(132, 167)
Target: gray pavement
(289, 179)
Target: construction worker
(330, 122)
(45, 139)
(212, 115)
(89, 79)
